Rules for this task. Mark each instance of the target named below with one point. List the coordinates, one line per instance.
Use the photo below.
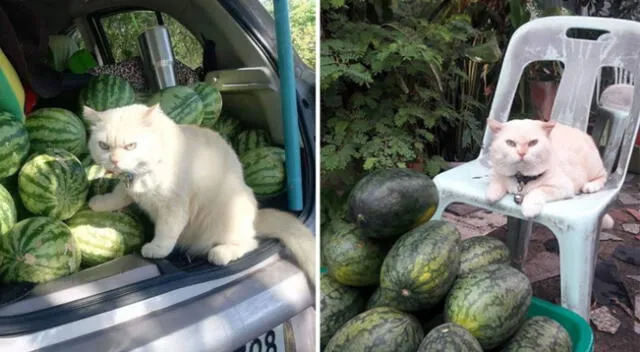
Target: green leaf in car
(81, 62)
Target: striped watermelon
(227, 127)
(182, 104)
(381, 329)
(212, 103)
(106, 92)
(540, 334)
(14, 144)
(56, 128)
(449, 337)
(490, 303)
(251, 139)
(480, 251)
(100, 182)
(38, 249)
(103, 236)
(264, 170)
(338, 304)
(53, 184)
(8, 213)
(421, 266)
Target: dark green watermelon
(351, 258)
(421, 266)
(338, 304)
(491, 303)
(389, 202)
(449, 337)
(480, 251)
(381, 329)
(540, 334)
(379, 298)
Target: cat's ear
(92, 116)
(150, 114)
(494, 125)
(547, 126)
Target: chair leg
(442, 206)
(577, 266)
(518, 236)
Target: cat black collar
(524, 179)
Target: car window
(122, 31)
(302, 17)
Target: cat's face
(519, 145)
(122, 139)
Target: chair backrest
(545, 39)
(620, 76)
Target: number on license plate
(272, 341)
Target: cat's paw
(592, 187)
(494, 193)
(532, 206)
(153, 250)
(100, 203)
(223, 254)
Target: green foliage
(400, 85)
(302, 16)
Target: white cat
(190, 182)
(543, 162)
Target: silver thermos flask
(157, 58)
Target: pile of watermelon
(47, 176)
(398, 280)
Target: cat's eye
(511, 143)
(533, 142)
(130, 146)
(103, 145)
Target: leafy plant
(403, 84)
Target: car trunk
(243, 65)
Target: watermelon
(11, 185)
(8, 212)
(381, 329)
(56, 128)
(264, 170)
(251, 139)
(14, 144)
(211, 103)
(227, 127)
(100, 182)
(103, 236)
(379, 298)
(540, 334)
(53, 184)
(38, 249)
(182, 104)
(449, 337)
(480, 251)
(421, 266)
(338, 304)
(351, 258)
(491, 303)
(105, 92)
(387, 203)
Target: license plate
(272, 341)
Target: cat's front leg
(115, 200)
(495, 191)
(535, 200)
(169, 226)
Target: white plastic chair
(612, 104)
(574, 222)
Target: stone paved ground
(542, 265)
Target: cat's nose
(114, 161)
